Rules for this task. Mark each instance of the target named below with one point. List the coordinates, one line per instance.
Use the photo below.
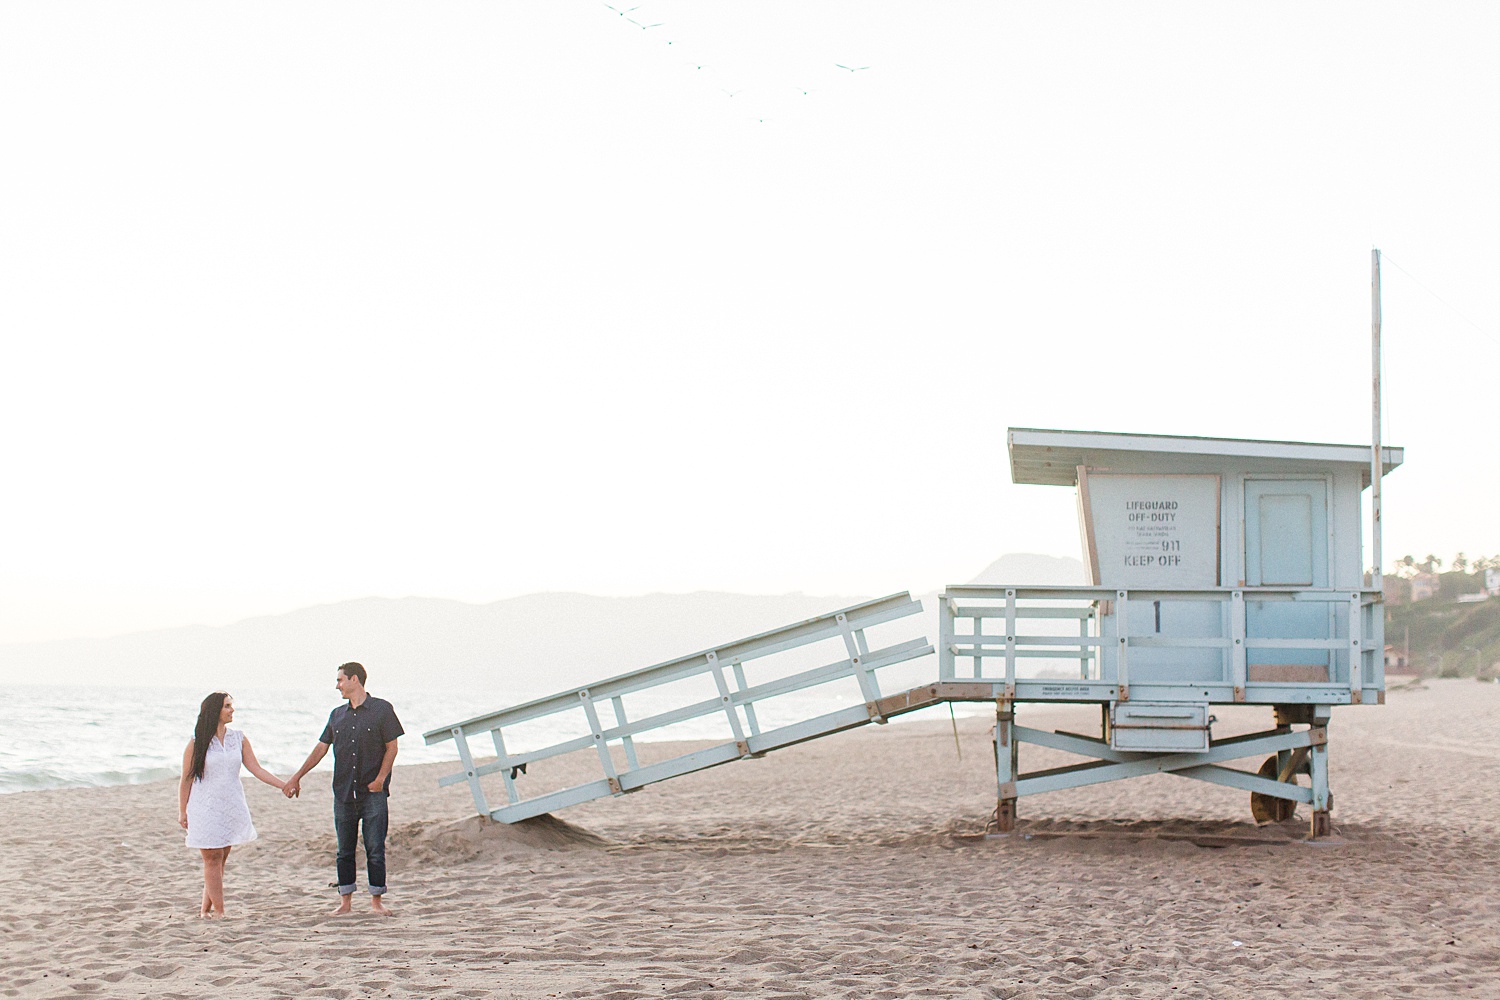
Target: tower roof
(1051, 457)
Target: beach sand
(852, 866)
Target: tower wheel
(1268, 808)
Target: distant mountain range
(537, 643)
(1038, 571)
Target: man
(363, 736)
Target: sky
(303, 302)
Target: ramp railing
(737, 676)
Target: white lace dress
(218, 815)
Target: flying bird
(622, 13)
(852, 69)
(643, 27)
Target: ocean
(66, 737)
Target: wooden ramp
(729, 681)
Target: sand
(853, 866)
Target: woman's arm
(247, 756)
(185, 786)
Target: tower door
(1286, 545)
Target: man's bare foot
(381, 908)
(344, 905)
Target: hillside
(543, 642)
(538, 642)
(530, 645)
(1448, 639)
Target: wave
(43, 779)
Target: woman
(211, 800)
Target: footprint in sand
(156, 971)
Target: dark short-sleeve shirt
(358, 737)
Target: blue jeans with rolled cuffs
(372, 810)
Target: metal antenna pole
(1376, 464)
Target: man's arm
(294, 783)
(386, 763)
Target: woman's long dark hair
(208, 726)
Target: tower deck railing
(1010, 636)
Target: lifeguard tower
(1222, 572)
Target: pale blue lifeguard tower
(1222, 572)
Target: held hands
(292, 788)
